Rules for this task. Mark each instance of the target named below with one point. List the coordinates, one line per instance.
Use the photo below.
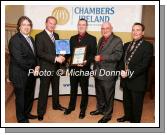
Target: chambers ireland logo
(61, 14)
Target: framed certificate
(79, 55)
(62, 46)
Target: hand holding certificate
(62, 47)
(78, 56)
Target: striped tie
(30, 43)
(52, 38)
(133, 45)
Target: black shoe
(82, 115)
(24, 121)
(104, 120)
(68, 111)
(123, 119)
(97, 112)
(30, 116)
(61, 108)
(40, 117)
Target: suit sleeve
(16, 53)
(116, 54)
(37, 59)
(121, 64)
(41, 50)
(143, 66)
(92, 52)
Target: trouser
(105, 91)
(45, 82)
(24, 93)
(83, 81)
(133, 104)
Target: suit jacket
(22, 58)
(139, 64)
(111, 54)
(46, 51)
(90, 42)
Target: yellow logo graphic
(61, 14)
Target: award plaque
(62, 46)
(79, 55)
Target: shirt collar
(26, 36)
(48, 32)
(82, 35)
(106, 39)
(137, 41)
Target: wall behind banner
(121, 17)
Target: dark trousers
(133, 104)
(24, 93)
(83, 81)
(105, 92)
(45, 82)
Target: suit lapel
(50, 45)
(84, 40)
(25, 42)
(55, 36)
(99, 43)
(108, 44)
(33, 42)
(137, 53)
(48, 38)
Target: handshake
(60, 59)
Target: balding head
(106, 29)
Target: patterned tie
(52, 38)
(101, 45)
(133, 45)
(30, 43)
(79, 38)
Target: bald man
(109, 53)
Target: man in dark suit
(49, 62)
(79, 40)
(23, 59)
(110, 50)
(136, 58)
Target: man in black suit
(23, 59)
(49, 62)
(110, 50)
(137, 56)
(79, 40)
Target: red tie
(104, 41)
(101, 45)
(80, 38)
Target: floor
(56, 116)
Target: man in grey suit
(110, 50)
